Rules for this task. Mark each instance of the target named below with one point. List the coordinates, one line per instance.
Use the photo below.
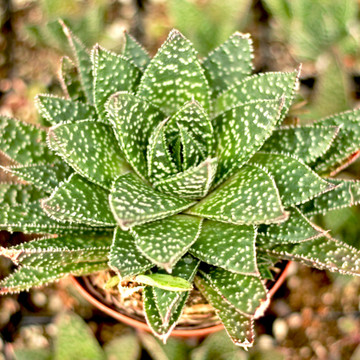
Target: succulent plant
(174, 171)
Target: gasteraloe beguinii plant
(176, 165)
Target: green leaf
(230, 287)
(174, 76)
(133, 120)
(231, 247)
(345, 193)
(24, 143)
(229, 63)
(164, 281)
(165, 241)
(56, 110)
(95, 156)
(75, 340)
(125, 258)
(265, 262)
(112, 73)
(345, 147)
(296, 182)
(77, 200)
(322, 253)
(135, 52)
(193, 183)
(70, 80)
(240, 132)
(265, 86)
(134, 203)
(238, 326)
(123, 347)
(83, 63)
(305, 142)
(248, 197)
(67, 249)
(44, 176)
(296, 228)
(16, 194)
(25, 278)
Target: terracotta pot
(177, 332)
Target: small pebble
(280, 329)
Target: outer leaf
(112, 73)
(322, 253)
(240, 132)
(248, 197)
(134, 203)
(230, 287)
(77, 200)
(165, 241)
(296, 182)
(43, 176)
(83, 63)
(133, 120)
(231, 247)
(174, 76)
(239, 327)
(56, 110)
(25, 278)
(16, 194)
(345, 193)
(24, 143)
(295, 229)
(135, 52)
(164, 282)
(95, 155)
(230, 63)
(268, 86)
(305, 142)
(193, 183)
(125, 258)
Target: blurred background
(315, 314)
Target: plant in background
(176, 172)
(330, 41)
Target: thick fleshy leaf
(67, 249)
(25, 278)
(265, 262)
(229, 246)
(270, 86)
(164, 282)
(43, 176)
(24, 143)
(125, 259)
(241, 131)
(239, 327)
(77, 200)
(70, 80)
(231, 286)
(133, 120)
(296, 228)
(305, 142)
(322, 253)
(16, 194)
(345, 147)
(193, 183)
(248, 197)
(83, 62)
(229, 63)
(345, 193)
(56, 110)
(296, 182)
(91, 149)
(165, 241)
(134, 203)
(135, 52)
(112, 73)
(174, 76)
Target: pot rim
(176, 332)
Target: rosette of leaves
(176, 172)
